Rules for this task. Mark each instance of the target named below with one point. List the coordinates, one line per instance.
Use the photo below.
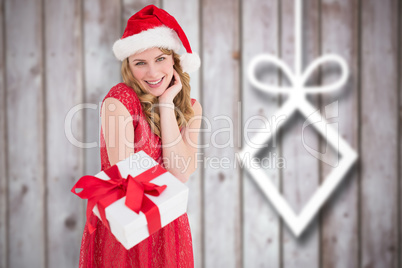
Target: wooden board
(64, 90)
(187, 15)
(25, 155)
(378, 133)
(220, 85)
(300, 178)
(261, 230)
(399, 74)
(102, 27)
(339, 34)
(3, 148)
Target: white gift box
(126, 225)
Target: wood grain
(232, 223)
(130, 7)
(25, 104)
(379, 140)
(102, 27)
(187, 15)
(260, 31)
(3, 148)
(339, 34)
(64, 90)
(220, 43)
(300, 178)
(399, 74)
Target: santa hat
(154, 27)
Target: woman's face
(152, 69)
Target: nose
(152, 70)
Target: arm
(118, 130)
(180, 149)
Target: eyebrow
(144, 60)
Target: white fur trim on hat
(190, 62)
(161, 36)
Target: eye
(161, 59)
(139, 63)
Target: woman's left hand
(172, 91)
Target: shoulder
(121, 91)
(125, 95)
(196, 107)
(113, 107)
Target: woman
(151, 111)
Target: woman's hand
(172, 91)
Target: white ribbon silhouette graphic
(298, 81)
(297, 101)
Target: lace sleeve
(128, 98)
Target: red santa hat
(154, 27)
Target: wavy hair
(149, 103)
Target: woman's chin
(157, 92)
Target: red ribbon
(104, 193)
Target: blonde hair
(149, 103)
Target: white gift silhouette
(297, 102)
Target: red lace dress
(171, 246)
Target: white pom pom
(190, 62)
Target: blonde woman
(151, 111)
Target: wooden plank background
(379, 135)
(3, 148)
(25, 99)
(341, 248)
(220, 86)
(261, 244)
(56, 54)
(64, 89)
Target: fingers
(176, 77)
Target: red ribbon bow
(104, 193)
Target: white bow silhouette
(297, 101)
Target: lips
(155, 82)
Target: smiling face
(152, 69)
